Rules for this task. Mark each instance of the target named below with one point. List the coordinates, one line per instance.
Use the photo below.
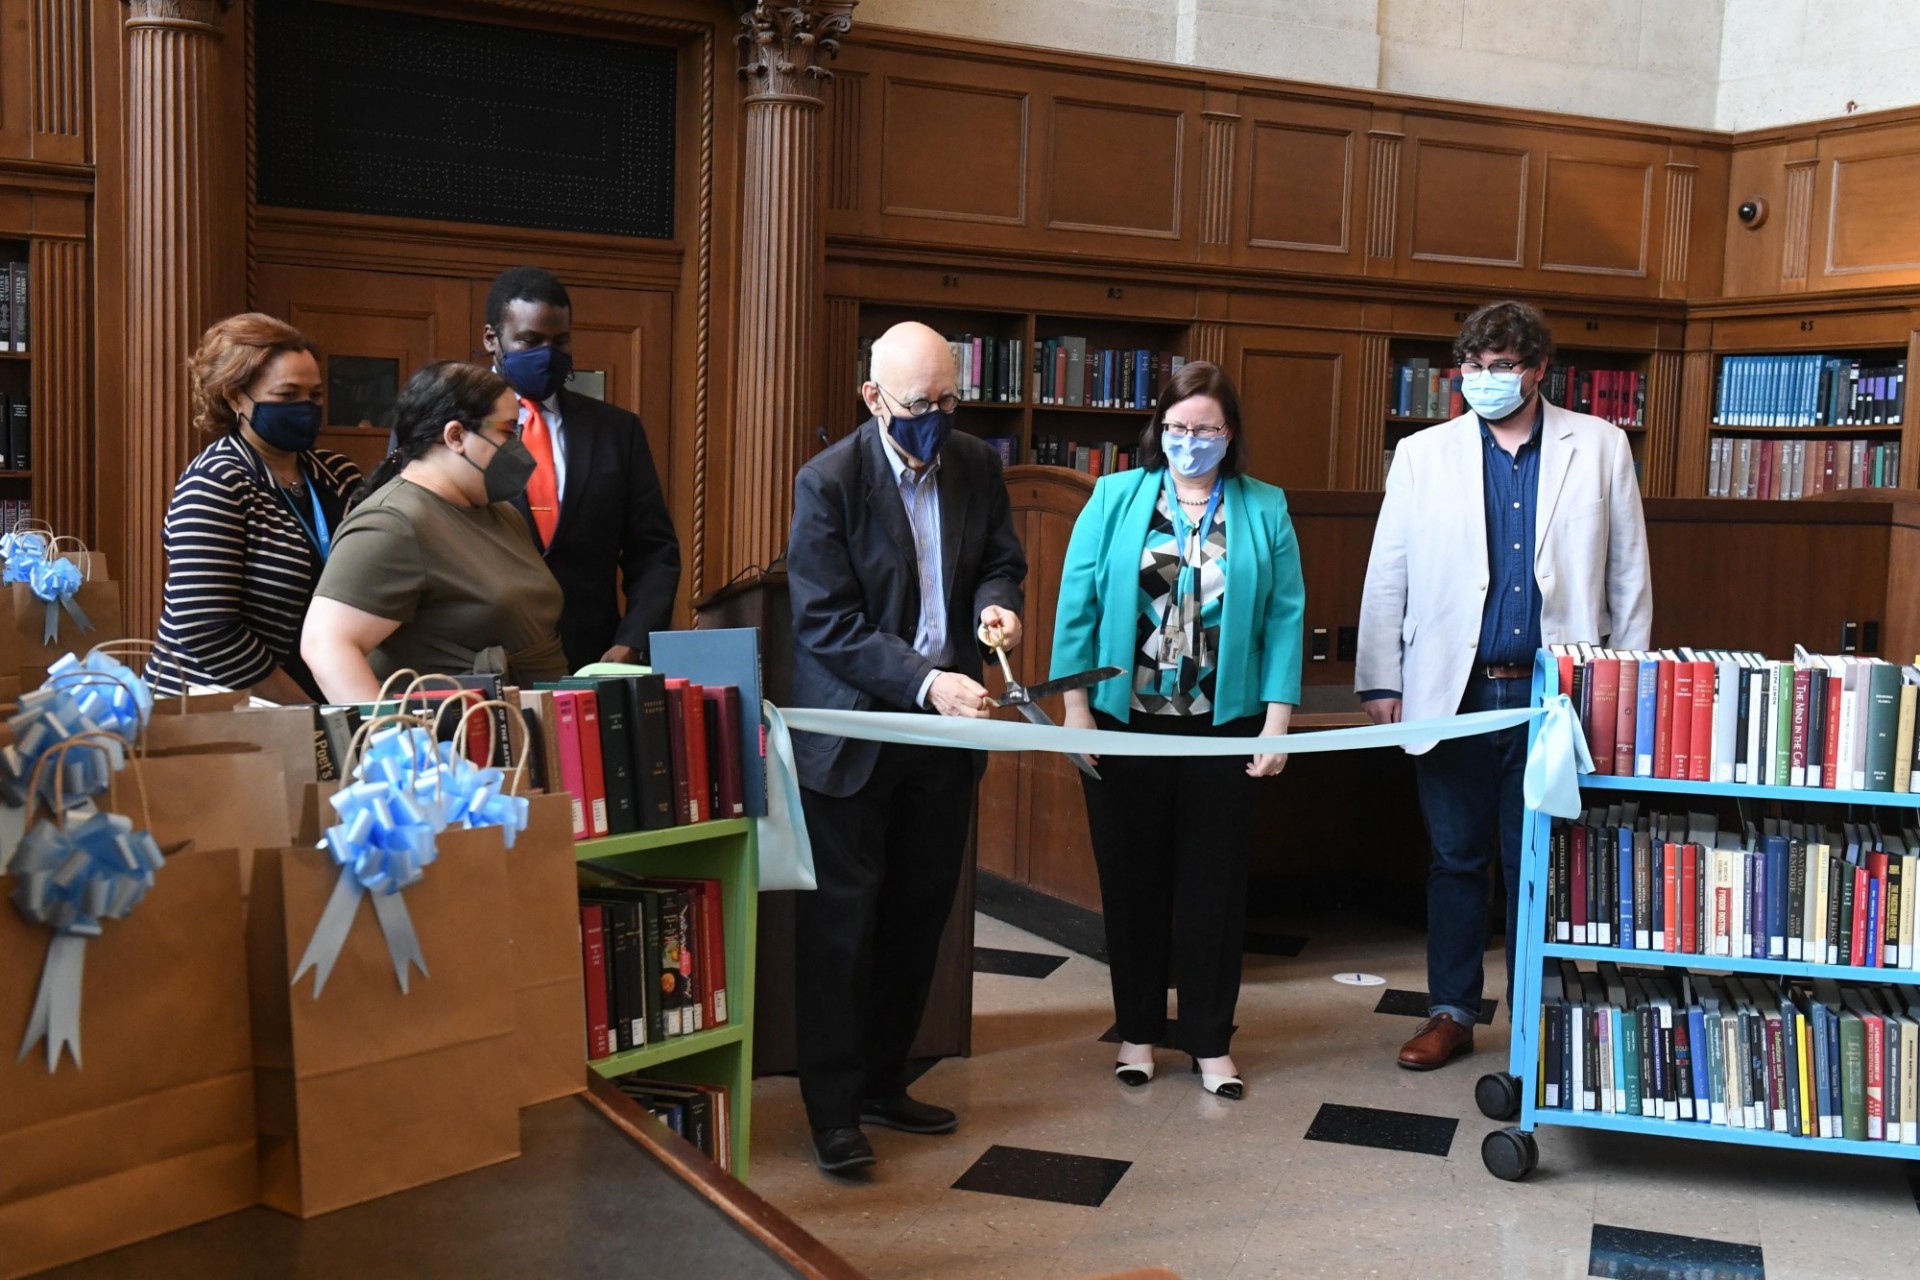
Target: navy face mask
(290, 426)
(922, 436)
(537, 373)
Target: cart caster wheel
(1498, 1096)
(1509, 1154)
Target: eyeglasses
(1203, 430)
(1498, 366)
(922, 406)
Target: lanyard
(318, 531)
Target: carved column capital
(192, 15)
(784, 46)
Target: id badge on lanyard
(317, 531)
(1180, 632)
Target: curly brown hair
(1505, 326)
(231, 355)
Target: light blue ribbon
(56, 581)
(123, 707)
(73, 876)
(48, 717)
(407, 789)
(1552, 785)
(19, 552)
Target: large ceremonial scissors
(1027, 700)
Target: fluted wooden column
(776, 373)
(171, 263)
(63, 434)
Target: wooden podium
(760, 601)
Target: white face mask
(1492, 395)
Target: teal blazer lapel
(1129, 539)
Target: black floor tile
(1414, 1004)
(1044, 916)
(1622, 1253)
(1019, 964)
(1112, 1034)
(1044, 1175)
(1389, 1130)
(1261, 942)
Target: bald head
(911, 361)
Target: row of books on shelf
(1832, 721)
(1809, 391)
(654, 959)
(16, 432)
(14, 512)
(989, 367)
(15, 313)
(1417, 388)
(1068, 372)
(1101, 459)
(701, 1114)
(1776, 468)
(1817, 1059)
(1807, 893)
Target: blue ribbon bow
(74, 875)
(19, 552)
(57, 580)
(121, 707)
(48, 718)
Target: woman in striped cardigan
(252, 517)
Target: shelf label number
(949, 282)
(1806, 326)
(1115, 292)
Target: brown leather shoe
(1439, 1041)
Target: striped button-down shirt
(920, 495)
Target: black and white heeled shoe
(1133, 1074)
(1232, 1088)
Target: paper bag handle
(152, 650)
(92, 740)
(386, 686)
(86, 555)
(519, 776)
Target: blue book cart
(1512, 1153)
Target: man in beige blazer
(1515, 525)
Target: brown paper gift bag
(156, 1130)
(367, 1090)
(285, 732)
(550, 1019)
(224, 794)
(25, 617)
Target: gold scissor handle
(995, 639)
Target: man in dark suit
(594, 502)
(903, 544)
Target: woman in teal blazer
(1185, 574)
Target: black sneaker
(907, 1115)
(841, 1150)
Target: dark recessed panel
(1044, 1175)
(411, 116)
(1388, 1130)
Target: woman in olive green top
(434, 569)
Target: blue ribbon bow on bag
(48, 720)
(19, 552)
(57, 580)
(406, 790)
(107, 692)
(73, 875)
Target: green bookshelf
(723, 1055)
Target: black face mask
(290, 426)
(507, 472)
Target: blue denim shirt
(1510, 624)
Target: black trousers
(1170, 837)
(887, 861)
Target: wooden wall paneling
(1676, 251)
(1297, 398)
(1309, 173)
(1219, 160)
(1910, 436)
(1466, 197)
(1370, 413)
(112, 435)
(1693, 426)
(1705, 225)
(1385, 148)
(1602, 216)
(60, 274)
(1797, 233)
(1811, 328)
(842, 363)
(415, 319)
(1864, 223)
(1753, 250)
(1665, 375)
(954, 152)
(57, 80)
(1122, 171)
(17, 32)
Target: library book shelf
(722, 1055)
(1512, 1153)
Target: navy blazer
(855, 587)
(615, 534)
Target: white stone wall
(1727, 64)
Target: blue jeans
(1470, 794)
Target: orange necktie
(543, 491)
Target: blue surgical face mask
(922, 436)
(537, 373)
(292, 426)
(1493, 396)
(1193, 456)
